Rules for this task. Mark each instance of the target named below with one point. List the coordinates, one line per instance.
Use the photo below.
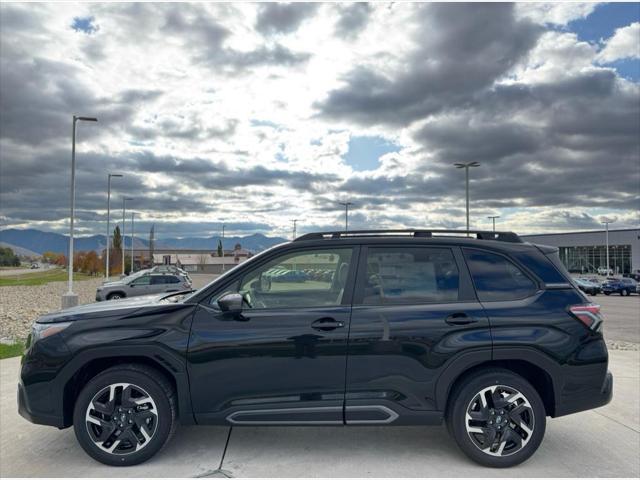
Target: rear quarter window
(542, 265)
(496, 278)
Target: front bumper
(29, 413)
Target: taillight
(588, 314)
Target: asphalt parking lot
(598, 443)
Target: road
(602, 442)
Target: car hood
(126, 306)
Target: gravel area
(21, 305)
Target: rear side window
(410, 276)
(496, 278)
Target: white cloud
(556, 13)
(624, 43)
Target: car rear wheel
(125, 415)
(115, 296)
(497, 418)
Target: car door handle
(326, 324)
(460, 318)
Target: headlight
(44, 330)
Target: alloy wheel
(121, 418)
(499, 420)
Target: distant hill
(19, 250)
(39, 242)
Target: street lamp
(132, 237)
(70, 299)
(124, 202)
(295, 221)
(492, 217)
(466, 167)
(106, 270)
(222, 243)
(606, 223)
(346, 214)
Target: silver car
(142, 284)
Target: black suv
(485, 333)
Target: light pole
(124, 203)
(106, 269)
(466, 167)
(132, 236)
(223, 225)
(492, 217)
(295, 221)
(70, 299)
(346, 214)
(606, 222)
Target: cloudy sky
(255, 114)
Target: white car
(604, 271)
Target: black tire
(607, 293)
(503, 435)
(150, 440)
(116, 296)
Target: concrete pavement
(599, 443)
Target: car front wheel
(125, 415)
(497, 418)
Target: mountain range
(39, 242)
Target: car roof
(477, 238)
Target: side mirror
(231, 303)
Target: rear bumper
(586, 400)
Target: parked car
(587, 286)
(635, 275)
(623, 286)
(142, 283)
(472, 332)
(603, 271)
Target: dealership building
(585, 252)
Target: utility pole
(70, 299)
(106, 268)
(494, 221)
(346, 214)
(466, 167)
(295, 221)
(124, 202)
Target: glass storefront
(588, 259)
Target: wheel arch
(83, 369)
(535, 375)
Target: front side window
(496, 278)
(410, 276)
(313, 278)
(144, 280)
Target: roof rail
(479, 234)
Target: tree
(220, 249)
(116, 251)
(8, 258)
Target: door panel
(283, 358)
(426, 316)
(271, 360)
